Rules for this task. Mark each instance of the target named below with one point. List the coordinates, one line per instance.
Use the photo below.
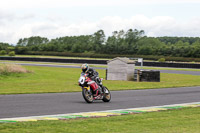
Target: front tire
(87, 95)
(106, 95)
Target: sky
(58, 18)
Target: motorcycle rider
(94, 75)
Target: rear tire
(106, 96)
(87, 96)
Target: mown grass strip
(53, 80)
(61, 57)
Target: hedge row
(3, 52)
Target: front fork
(87, 88)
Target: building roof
(123, 59)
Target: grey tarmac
(23, 105)
(71, 66)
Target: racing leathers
(94, 75)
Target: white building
(120, 69)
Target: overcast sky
(57, 18)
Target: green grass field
(51, 79)
(172, 121)
(63, 57)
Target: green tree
(35, 40)
(3, 52)
(98, 40)
(12, 53)
(4, 46)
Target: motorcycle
(92, 91)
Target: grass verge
(50, 79)
(63, 57)
(184, 120)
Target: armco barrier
(55, 60)
(153, 64)
(177, 65)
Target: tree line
(130, 42)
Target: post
(141, 61)
(106, 73)
(138, 75)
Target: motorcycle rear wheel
(106, 96)
(87, 96)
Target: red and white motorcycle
(92, 91)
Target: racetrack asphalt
(71, 66)
(23, 105)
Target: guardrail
(55, 60)
(103, 62)
(176, 65)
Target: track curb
(106, 113)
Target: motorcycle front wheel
(106, 95)
(87, 95)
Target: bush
(161, 60)
(3, 52)
(6, 69)
(12, 53)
